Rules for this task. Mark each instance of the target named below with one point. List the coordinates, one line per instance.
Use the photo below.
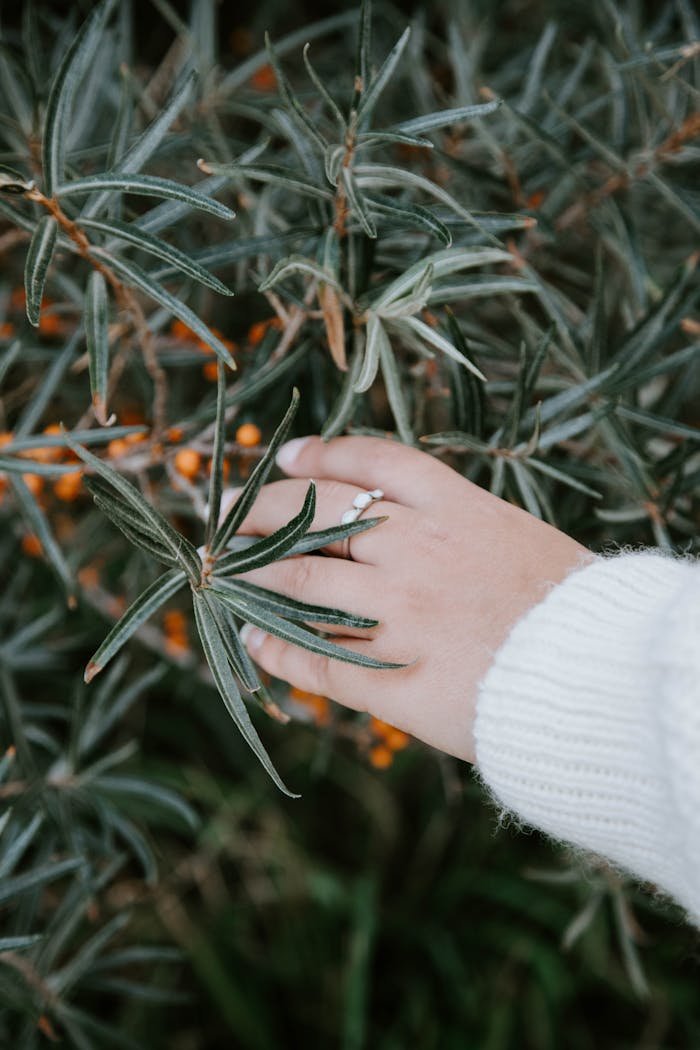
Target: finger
(278, 502)
(404, 474)
(347, 683)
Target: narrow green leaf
(344, 405)
(289, 608)
(62, 94)
(39, 257)
(257, 479)
(370, 364)
(147, 186)
(314, 541)
(14, 944)
(253, 613)
(97, 337)
(374, 90)
(433, 338)
(395, 392)
(444, 263)
(148, 602)
(174, 543)
(177, 260)
(217, 461)
(131, 525)
(294, 105)
(297, 264)
(358, 203)
(445, 117)
(324, 92)
(562, 476)
(236, 652)
(271, 547)
(134, 275)
(36, 877)
(410, 215)
(269, 173)
(364, 48)
(151, 792)
(215, 652)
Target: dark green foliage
(477, 233)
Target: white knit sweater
(588, 720)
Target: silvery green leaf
(62, 94)
(39, 525)
(174, 543)
(314, 541)
(364, 47)
(96, 319)
(177, 260)
(344, 404)
(332, 160)
(324, 92)
(444, 117)
(395, 391)
(289, 608)
(357, 202)
(251, 612)
(154, 793)
(147, 186)
(432, 336)
(217, 658)
(85, 437)
(270, 173)
(134, 275)
(370, 363)
(381, 138)
(148, 602)
(411, 215)
(217, 460)
(372, 92)
(297, 264)
(444, 263)
(129, 523)
(237, 654)
(377, 175)
(35, 877)
(248, 494)
(171, 211)
(480, 286)
(39, 257)
(271, 547)
(14, 849)
(564, 478)
(295, 107)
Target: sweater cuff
(568, 729)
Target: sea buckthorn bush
(470, 227)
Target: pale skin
(447, 576)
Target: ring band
(361, 502)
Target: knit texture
(588, 720)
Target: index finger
(405, 475)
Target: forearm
(588, 721)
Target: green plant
(509, 281)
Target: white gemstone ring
(361, 501)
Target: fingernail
(251, 637)
(288, 453)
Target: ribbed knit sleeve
(588, 720)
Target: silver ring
(361, 502)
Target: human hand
(447, 575)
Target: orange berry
(34, 483)
(50, 324)
(257, 331)
(176, 645)
(536, 199)
(225, 469)
(174, 622)
(210, 371)
(188, 462)
(248, 435)
(179, 330)
(135, 439)
(378, 727)
(132, 417)
(174, 434)
(264, 79)
(6, 437)
(381, 757)
(68, 487)
(397, 740)
(31, 545)
(7, 330)
(318, 706)
(117, 448)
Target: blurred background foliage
(155, 888)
